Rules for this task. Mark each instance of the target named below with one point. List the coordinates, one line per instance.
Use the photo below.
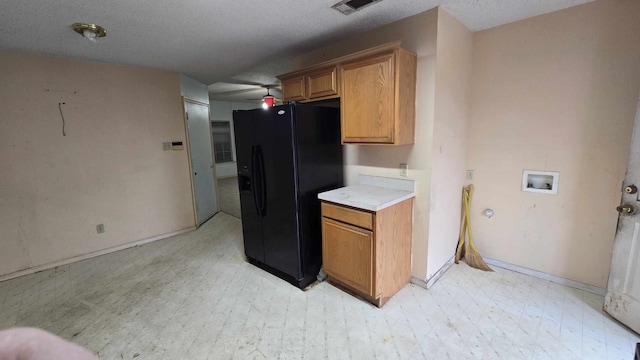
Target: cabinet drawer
(348, 215)
(347, 255)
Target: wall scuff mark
(62, 116)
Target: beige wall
(452, 96)
(109, 168)
(556, 92)
(437, 165)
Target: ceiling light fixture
(268, 100)
(91, 32)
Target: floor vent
(350, 6)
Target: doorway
(201, 160)
(224, 156)
(223, 135)
(623, 291)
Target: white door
(623, 291)
(200, 150)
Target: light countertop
(384, 193)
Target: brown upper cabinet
(322, 83)
(377, 101)
(377, 91)
(310, 86)
(293, 88)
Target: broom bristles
(475, 260)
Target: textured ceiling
(231, 40)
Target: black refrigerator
(286, 155)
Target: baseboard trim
(546, 276)
(418, 282)
(432, 280)
(429, 283)
(73, 259)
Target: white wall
(556, 92)
(223, 111)
(108, 169)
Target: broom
(463, 228)
(472, 256)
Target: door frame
(186, 100)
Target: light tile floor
(193, 297)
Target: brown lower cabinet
(367, 253)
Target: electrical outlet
(469, 174)
(100, 228)
(166, 146)
(404, 169)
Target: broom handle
(463, 223)
(467, 200)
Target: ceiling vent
(350, 6)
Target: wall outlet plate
(404, 169)
(166, 146)
(469, 174)
(100, 228)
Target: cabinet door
(347, 254)
(368, 100)
(293, 89)
(322, 83)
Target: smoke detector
(348, 7)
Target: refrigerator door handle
(254, 183)
(262, 184)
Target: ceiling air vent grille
(350, 6)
